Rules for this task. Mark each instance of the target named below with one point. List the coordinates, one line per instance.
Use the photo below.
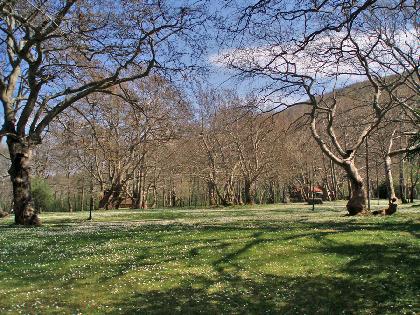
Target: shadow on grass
(365, 287)
(377, 279)
(273, 295)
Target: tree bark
(357, 201)
(402, 188)
(103, 203)
(20, 156)
(271, 193)
(388, 178)
(154, 192)
(82, 203)
(334, 181)
(136, 201)
(144, 197)
(211, 193)
(414, 178)
(247, 192)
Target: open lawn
(277, 259)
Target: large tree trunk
(247, 192)
(103, 203)
(111, 198)
(228, 194)
(20, 155)
(116, 197)
(271, 193)
(357, 201)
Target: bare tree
(307, 51)
(56, 53)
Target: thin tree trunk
(388, 178)
(82, 203)
(211, 193)
(154, 205)
(20, 156)
(164, 197)
(69, 204)
(402, 188)
(334, 181)
(414, 178)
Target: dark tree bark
(111, 198)
(357, 201)
(247, 192)
(103, 202)
(271, 193)
(136, 201)
(20, 156)
(211, 193)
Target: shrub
(42, 195)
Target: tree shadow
(377, 279)
(273, 295)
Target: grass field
(278, 259)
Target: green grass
(279, 259)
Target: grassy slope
(262, 259)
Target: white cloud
(321, 59)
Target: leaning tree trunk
(357, 201)
(20, 155)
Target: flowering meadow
(277, 259)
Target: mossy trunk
(20, 170)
